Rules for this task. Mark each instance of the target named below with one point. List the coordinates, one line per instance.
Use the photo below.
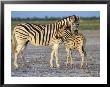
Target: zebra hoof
(86, 64)
(71, 63)
(16, 66)
(58, 65)
(66, 63)
(81, 66)
(51, 66)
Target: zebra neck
(53, 30)
(67, 34)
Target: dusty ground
(36, 60)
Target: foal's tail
(84, 44)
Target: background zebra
(41, 35)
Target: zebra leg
(85, 55)
(68, 56)
(18, 49)
(85, 58)
(82, 56)
(22, 55)
(54, 53)
(52, 57)
(56, 56)
(21, 52)
(23, 48)
(71, 59)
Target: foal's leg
(71, 59)
(68, 56)
(82, 56)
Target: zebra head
(69, 24)
(76, 24)
(73, 23)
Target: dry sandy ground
(36, 60)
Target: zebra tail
(13, 44)
(83, 47)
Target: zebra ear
(78, 17)
(67, 25)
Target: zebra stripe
(34, 29)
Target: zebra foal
(72, 41)
(77, 42)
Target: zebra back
(41, 35)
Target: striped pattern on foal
(75, 41)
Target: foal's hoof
(86, 64)
(66, 63)
(81, 66)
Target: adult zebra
(41, 35)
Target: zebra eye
(77, 24)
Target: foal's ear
(76, 31)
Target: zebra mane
(67, 17)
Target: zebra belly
(37, 44)
(70, 45)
